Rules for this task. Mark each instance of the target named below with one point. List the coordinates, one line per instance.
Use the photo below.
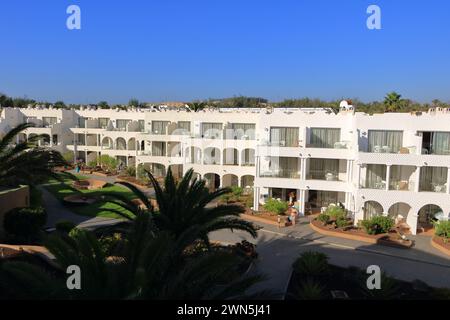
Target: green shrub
(323, 218)
(378, 225)
(68, 156)
(237, 191)
(312, 264)
(335, 212)
(108, 162)
(310, 290)
(442, 229)
(131, 171)
(92, 164)
(24, 224)
(65, 226)
(276, 206)
(341, 223)
(112, 243)
(35, 197)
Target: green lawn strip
(97, 209)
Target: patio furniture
(377, 149)
(330, 177)
(386, 149)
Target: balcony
(433, 179)
(281, 173)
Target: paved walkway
(278, 248)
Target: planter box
(438, 243)
(358, 236)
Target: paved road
(278, 249)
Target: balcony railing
(433, 187)
(336, 145)
(379, 185)
(401, 185)
(322, 175)
(281, 173)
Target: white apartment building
(395, 164)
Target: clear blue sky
(157, 50)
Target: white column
(359, 177)
(417, 181)
(448, 180)
(256, 199)
(302, 201)
(388, 176)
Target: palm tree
(197, 106)
(392, 102)
(185, 207)
(24, 163)
(149, 265)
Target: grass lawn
(97, 209)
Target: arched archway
(132, 144)
(174, 149)
(107, 143)
(32, 139)
(230, 180)
(158, 170)
(372, 209)
(426, 216)
(211, 156)
(247, 181)
(196, 176)
(121, 144)
(193, 155)
(400, 213)
(177, 170)
(231, 157)
(212, 181)
(21, 137)
(45, 140)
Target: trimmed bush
(378, 225)
(312, 264)
(65, 226)
(323, 218)
(341, 223)
(442, 229)
(335, 212)
(23, 225)
(310, 290)
(131, 171)
(237, 191)
(276, 206)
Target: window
(141, 125)
(242, 131)
(49, 121)
(284, 136)
(158, 149)
(385, 141)
(103, 122)
(122, 124)
(433, 179)
(324, 137)
(436, 143)
(184, 126)
(376, 176)
(211, 130)
(81, 122)
(159, 127)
